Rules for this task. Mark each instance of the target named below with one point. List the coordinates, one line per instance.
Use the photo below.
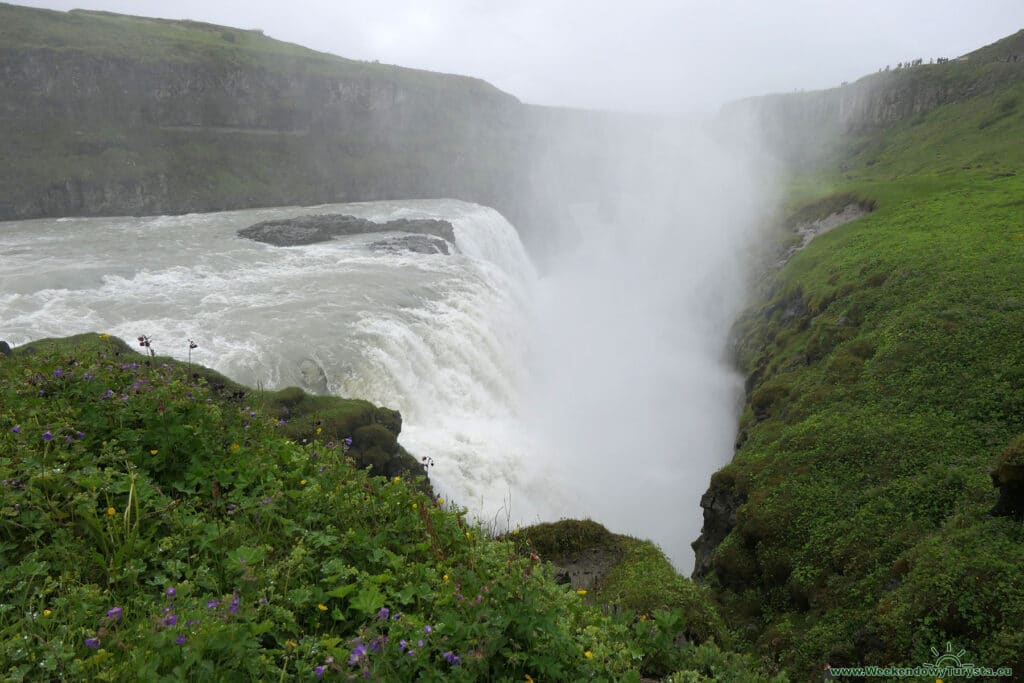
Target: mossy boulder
(1008, 477)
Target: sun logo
(949, 659)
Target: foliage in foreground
(151, 530)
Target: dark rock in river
(420, 244)
(290, 232)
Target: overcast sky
(653, 55)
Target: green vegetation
(157, 524)
(886, 378)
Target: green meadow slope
(886, 384)
(158, 524)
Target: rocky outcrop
(1008, 477)
(290, 232)
(419, 244)
(720, 503)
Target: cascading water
(574, 394)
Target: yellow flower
(444, 578)
(643, 617)
(415, 506)
(588, 654)
(581, 592)
(111, 512)
(322, 607)
(234, 447)
(47, 612)
(319, 430)
(302, 482)
(397, 479)
(515, 532)
(468, 535)
(528, 679)
(440, 501)
(290, 644)
(154, 452)
(104, 336)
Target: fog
(650, 55)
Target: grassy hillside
(156, 524)
(886, 372)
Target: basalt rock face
(720, 503)
(290, 232)
(107, 114)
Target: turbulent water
(535, 397)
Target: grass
(158, 524)
(887, 377)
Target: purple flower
(92, 643)
(212, 604)
(114, 613)
(419, 643)
(427, 629)
(452, 658)
(16, 429)
(170, 620)
(402, 645)
(357, 653)
(280, 423)
(180, 640)
(79, 435)
(383, 614)
(58, 372)
(348, 441)
(47, 436)
(319, 671)
(233, 607)
(170, 592)
(88, 377)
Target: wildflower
(92, 643)
(47, 612)
(319, 671)
(427, 629)
(319, 430)
(440, 501)
(322, 607)
(419, 643)
(468, 535)
(444, 578)
(290, 645)
(111, 511)
(357, 653)
(383, 614)
(170, 620)
(114, 613)
(395, 480)
(348, 441)
(154, 452)
(234, 447)
(58, 373)
(302, 482)
(212, 604)
(233, 607)
(104, 336)
(17, 430)
(79, 435)
(452, 658)
(170, 592)
(180, 640)
(402, 645)
(47, 436)
(588, 654)
(281, 423)
(581, 592)
(415, 506)
(528, 679)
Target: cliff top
(121, 36)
